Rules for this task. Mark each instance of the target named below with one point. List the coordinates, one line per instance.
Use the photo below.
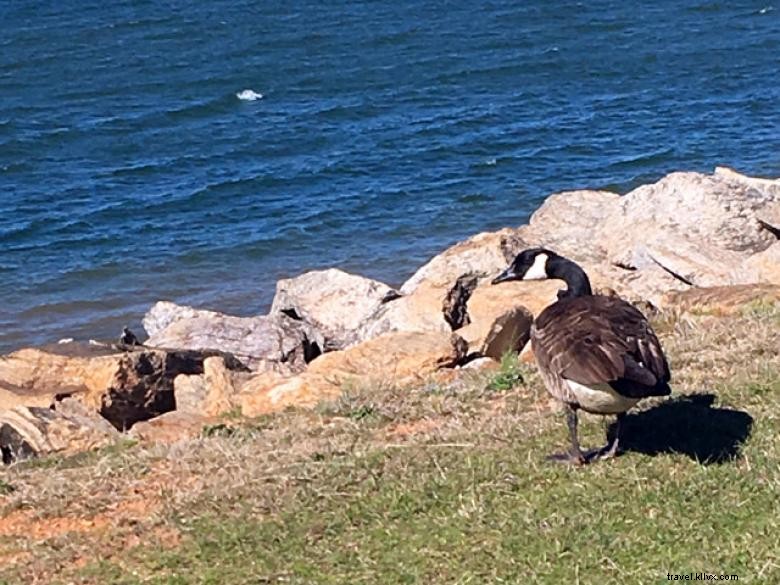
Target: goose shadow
(689, 425)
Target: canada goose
(597, 353)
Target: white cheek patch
(537, 270)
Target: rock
(270, 392)
(489, 301)
(209, 394)
(124, 387)
(718, 210)
(38, 377)
(769, 187)
(435, 296)
(164, 313)
(171, 427)
(481, 255)
(483, 364)
(252, 340)
(722, 300)
(396, 358)
(31, 431)
(333, 302)
(686, 260)
(508, 332)
(764, 266)
(500, 316)
(567, 222)
(423, 310)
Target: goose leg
(611, 448)
(575, 454)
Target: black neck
(575, 278)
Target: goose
(595, 353)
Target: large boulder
(433, 299)
(567, 222)
(124, 387)
(38, 377)
(711, 210)
(396, 358)
(64, 430)
(252, 340)
(422, 310)
(481, 255)
(332, 301)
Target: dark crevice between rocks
(311, 350)
(679, 277)
(774, 230)
(390, 295)
(454, 309)
(625, 266)
(143, 386)
(292, 314)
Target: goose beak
(507, 274)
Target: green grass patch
(509, 374)
(501, 514)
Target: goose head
(531, 264)
(541, 264)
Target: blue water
(389, 129)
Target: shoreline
(231, 302)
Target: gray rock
(252, 340)
(333, 302)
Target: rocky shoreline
(688, 241)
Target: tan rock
(124, 387)
(396, 358)
(721, 300)
(764, 266)
(482, 255)
(422, 310)
(268, 393)
(171, 427)
(252, 340)
(332, 301)
(209, 394)
(36, 377)
(500, 316)
(34, 431)
(488, 301)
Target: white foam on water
(766, 9)
(249, 95)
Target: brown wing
(596, 340)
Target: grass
(444, 483)
(509, 374)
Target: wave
(249, 95)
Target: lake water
(130, 171)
